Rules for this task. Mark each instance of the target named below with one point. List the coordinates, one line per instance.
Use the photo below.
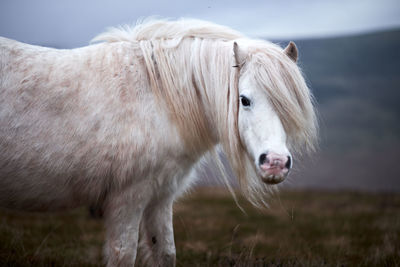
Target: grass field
(302, 228)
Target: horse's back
(12, 52)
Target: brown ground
(302, 228)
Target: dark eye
(245, 101)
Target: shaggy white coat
(124, 121)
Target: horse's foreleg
(159, 233)
(123, 214)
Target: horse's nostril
(288, 164)
(263, 158)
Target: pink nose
(274, 160)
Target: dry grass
(302, 228)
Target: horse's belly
(34, 173)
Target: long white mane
(164, 29)
(191, 69)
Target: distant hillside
(356, 82)
(360, 76)
(372, 60)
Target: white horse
(124, 121)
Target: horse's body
(73, 122)
(94, 124)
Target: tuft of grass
(302, 228)
(62, 239)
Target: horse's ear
(240, 57)
(291, 51)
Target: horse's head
(262, 133)
(264, 97)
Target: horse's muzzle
(274, 167)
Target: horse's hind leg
(123, 212)
(158, 233)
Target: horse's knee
(117, 255)
(163, 254)
(168, 259)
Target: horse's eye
(245, 101)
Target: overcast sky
(73, 23)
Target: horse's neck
(211, 79)
(182, 82)
(215, 88)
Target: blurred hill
(356, 82)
